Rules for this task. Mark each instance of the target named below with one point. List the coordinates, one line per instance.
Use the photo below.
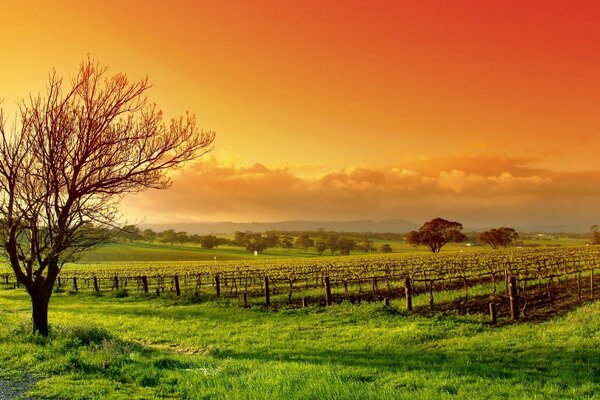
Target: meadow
(140, 348)
(120, 344)
(142, 251)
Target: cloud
(476, 190)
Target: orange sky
(488, 112)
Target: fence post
(592, 284)
(328, 300)
(96, 287)
(218, 285)
(267, 292)
(145, 283)
(246, 305)
(75, 288)
(408, 292)
(304, 302)
(177, 289)
(493, 316)
(431, 294)
(514, 299)
(386, 301)
(116, 280)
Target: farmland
(163, 347)
(125, 342)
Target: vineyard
(515, 283)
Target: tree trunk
(39, 303)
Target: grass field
(146, 347)
(140, 251)
(134, 346)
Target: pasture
(127, 344)
(140, 347)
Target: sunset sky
(479, 111)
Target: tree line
(256, 242)
(434, 235)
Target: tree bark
(39, 305)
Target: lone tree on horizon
(73, 154)
(436, 233)
(498, 237)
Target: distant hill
(202, 228)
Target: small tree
(320, 246)
(594, 235)
(256, 242)
(287, 242)
(366, 245)
(304, 242)
(168, 236)
(73, 154)
(346, 245)
(385, 248)
(211, 241)
(182, 238)
(129, 232)
(333, 243)
(500, 237)
(436, 233)
(149, 235)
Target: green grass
(146, 347)
(140, 251)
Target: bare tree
(73, 154)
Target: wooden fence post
(246, 305)
(328, 300)
(267, 292)
(218, 285)
(116, 282)
(493, 316)
(75, 288)
(177, 288)
(408, 292)
(514, 298)
(304, 302)
(431, 294)
(145, 283)
(96, 287)
(386, 301)
(592, 284)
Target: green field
(119, 345)
(140, 251)
(146, 347)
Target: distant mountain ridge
(203, 228)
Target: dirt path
(12, 390)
